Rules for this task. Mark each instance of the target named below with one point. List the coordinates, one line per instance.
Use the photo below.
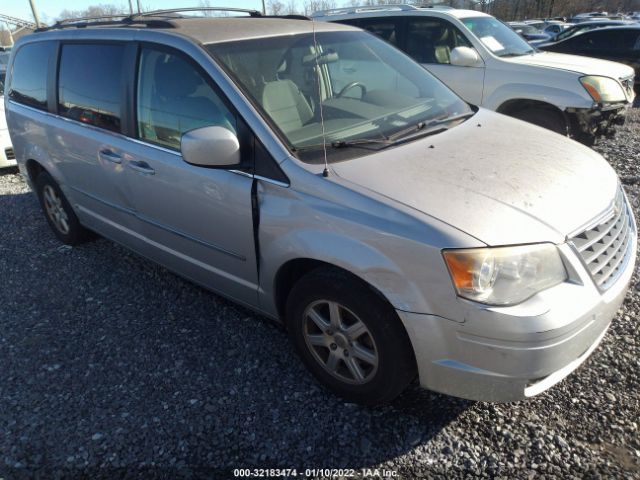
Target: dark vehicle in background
(619, 44)
(530, 33)
(586, 26)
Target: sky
(50, 9)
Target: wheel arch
(34, 168)
(293, 270)
(514, 105)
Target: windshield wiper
(426, 128)
(422, 128)
(358, 141)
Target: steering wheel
(351, 85)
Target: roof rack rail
(65, 21)
(107, 21)
(289, 16)
(400, 7)
(143, 18)
(251, 13)
(438, 6)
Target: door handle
(110, 156)
(142, 167)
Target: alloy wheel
(55, 209)
(340, 342)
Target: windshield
(501, 40)
(368, 90)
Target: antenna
(325, 173)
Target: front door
(430, 41)
(195, 220)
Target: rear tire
(543, 117)
(349, 338)
(58, 212)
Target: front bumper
(510, 353)
(7, 157)
(599, 121)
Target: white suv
(7, 157)
(488, 64)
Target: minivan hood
(575, 63)
(501, 180)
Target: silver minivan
(396, 231)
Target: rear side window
(386, 29)
(173, 97)
(29, 78)
(90, 84)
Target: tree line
(503, 9)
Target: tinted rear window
(29, 79)
(90, 84)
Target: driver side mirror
(464, 57)
(210, 147)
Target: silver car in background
(394, 229)
(7, 158)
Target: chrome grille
(9, 153)
(606, 248)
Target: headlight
(504, 275)
(603, 89)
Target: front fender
(397, 253)
(366, 262)
(558, 97)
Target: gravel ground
(113, 367)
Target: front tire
(58, 212)
(349, 338)
(543, 117)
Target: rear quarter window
(29, 74)
(90, 84)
